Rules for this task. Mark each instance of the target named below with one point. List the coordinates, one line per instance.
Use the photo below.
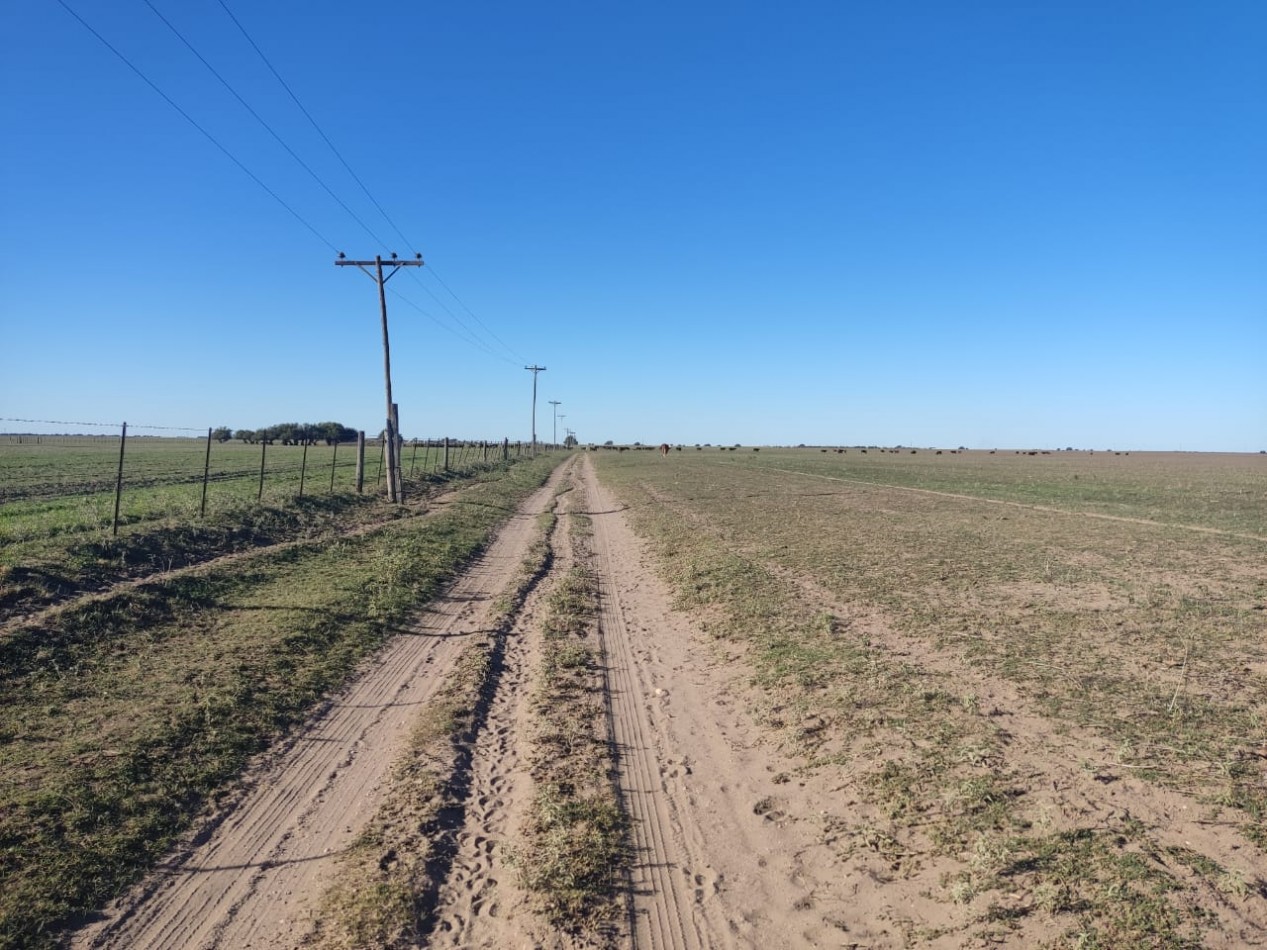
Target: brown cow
(664, 449)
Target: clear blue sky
(988, 224)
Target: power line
(317, 178)
(517, 357)
(355, 177)
(309, 117)
(268, 128)
(188, 118)
(465, 337)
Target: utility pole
(554, 440)
(395, 481)
(534, 369)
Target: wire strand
(355, 177)
(320, 131)
(188, 118)
(103, 425)
(268, 128)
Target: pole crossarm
(394, 264)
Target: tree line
(289, 433)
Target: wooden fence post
(413, 458)
(118, 482)
(398, 471)
(360, 463)
(333, 459)
(506, 449)
(206, 472)
(303, 469)
(446, 453)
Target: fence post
(206, 471)
(413, 458)
(333, 458)
(506, 449)
(360, 462)
(446, 453)
(263, 450)
(398, 445)
(303, 469)
(382, 453)
(118, 482)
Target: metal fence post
(206, 471)
(118, 482)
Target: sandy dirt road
(731, 839)
(715, 862)
(723, 855)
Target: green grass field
(67, 484)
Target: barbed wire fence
(161, 471)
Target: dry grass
(866, 608)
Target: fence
(69, 482)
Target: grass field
(57, 504)
(1038, 682)
(976, 640)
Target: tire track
(248, 876)
(479, 903)
(721, 858)
(665, 888)
(493, 788)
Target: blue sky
(987, 224)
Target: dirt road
(714, 862)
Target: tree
(221, 434)
(246, 435)
(570, 442)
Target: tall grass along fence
(140, 472)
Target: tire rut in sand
(664, 916)
(717, 862)
(485, 790)
(480, 901)
(248, 876)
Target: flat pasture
(1040, 678)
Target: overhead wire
(466, 337)
(464, 332)
(514, 357)
(260, 119)
(188, 118)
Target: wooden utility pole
(554, 438)
(395, 483)
(534, 369)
